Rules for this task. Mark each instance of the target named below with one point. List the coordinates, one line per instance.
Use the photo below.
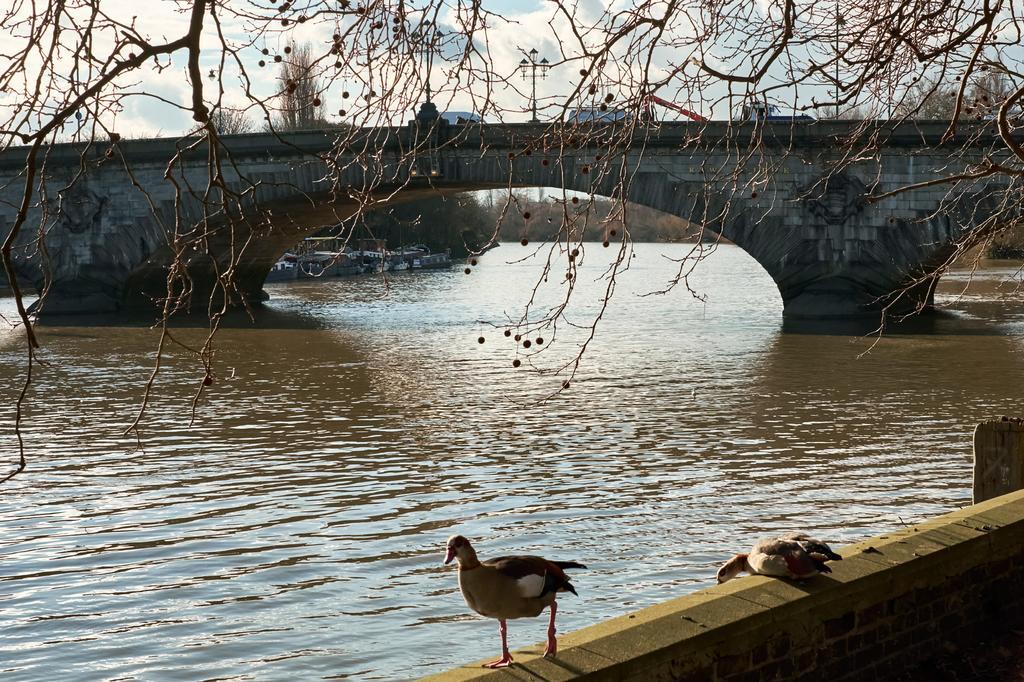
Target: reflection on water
(297, 527)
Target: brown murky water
(296, 529)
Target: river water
(296, 529)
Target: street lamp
(428, 40)
(839, 26)
(529, 69)
(428, 127)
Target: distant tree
(1007, 244)
(939, 101)
(927, 101)
(300, 100)
(986, 93)
(848, 112)
(458, 223)
(594, 219)
(231, 121)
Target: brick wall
(895, 602)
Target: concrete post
(998, 458)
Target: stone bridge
(114, 214)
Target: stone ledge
(892, 600)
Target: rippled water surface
(296, 528)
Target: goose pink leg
(552, 644)
(506, 657)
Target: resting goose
(510, 587)
(779, 557)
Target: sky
(149, 109)
(156, 105)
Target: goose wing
(813, 545)
(534, 576)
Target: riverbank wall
(894, 602)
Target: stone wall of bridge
(113, 223)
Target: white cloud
(493, 80)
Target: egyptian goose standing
(779, 557)
(510, 587)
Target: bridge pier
(143, 293)
(205, 286)
(69, 298)
(834, 254)
(840, 298)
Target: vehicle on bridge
(651, 100)
(597, 115)
(461, 117)
(761, 111)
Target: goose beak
(449, 555)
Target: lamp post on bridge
(428, 38)
(529, 69)
(839, 26)
(428, 128)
